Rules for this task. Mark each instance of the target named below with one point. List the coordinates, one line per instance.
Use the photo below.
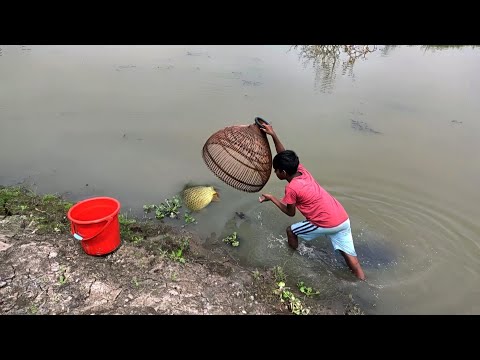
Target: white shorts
(340, 236)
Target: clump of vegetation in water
(48, 212)
(286, 295)
(169, 209)
(304, 289)
(188, 218)
(232, 239)
(293, 303)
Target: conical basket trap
(240, 156)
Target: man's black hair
(286, 160)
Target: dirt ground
(51, 274)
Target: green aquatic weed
(232, 239)
(306, 290)
(293, 303)
(170, 208)
(188, 218)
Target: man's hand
(268, 129)
(287, 209)
(265, 197)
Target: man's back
(313, 201)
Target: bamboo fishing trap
(240, 156)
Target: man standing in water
(323, 213)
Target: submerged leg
(353, 264)
(292, 238)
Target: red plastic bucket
(95, 223)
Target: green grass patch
(48, 211)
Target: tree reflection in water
(326, 59)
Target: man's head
(285, 164)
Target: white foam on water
(276, 242)
(306, 251)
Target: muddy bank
(49, 273)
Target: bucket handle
(257, 121)
(79, 237)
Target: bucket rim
(105, 218)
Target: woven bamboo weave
(240, 156)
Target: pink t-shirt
(313, 201)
